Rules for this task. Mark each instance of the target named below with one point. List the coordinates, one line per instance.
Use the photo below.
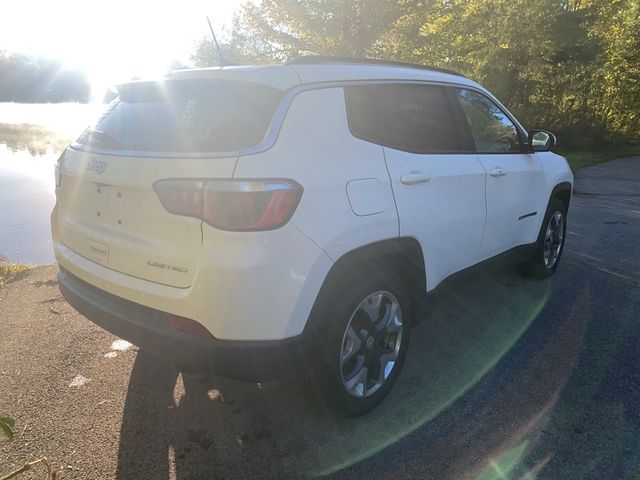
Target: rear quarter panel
(316, 149)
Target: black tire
(538, 266)
(326, 339)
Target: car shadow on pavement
(465, 393)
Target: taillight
(58, 168)
(233, 205)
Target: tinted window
(414, 118)
(185, 116)
(490, 127)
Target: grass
(585, 158)
(10, 271)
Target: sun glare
(115, 41)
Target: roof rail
(326, 60)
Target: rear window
(185, 116)
(409, 117)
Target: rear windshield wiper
(96, 138)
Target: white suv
(246, 219)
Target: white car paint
(515, 185)
(263, 285)
(446, 213)
(316, 149)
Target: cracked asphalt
(506, 378)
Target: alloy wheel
(553, 239)
(371, 344)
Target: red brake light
(233, 205)
(181, 197)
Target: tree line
(33, 79)
(571, 66)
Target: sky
(115, 40)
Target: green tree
(32, 79)
(616, 84)
(572, 66)
(321, 27)
(538, 58)
(243, 47)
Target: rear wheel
(358, 340)
(550, 244)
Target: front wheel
(359, 338)
(550, 244)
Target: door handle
(415, 178)
(498, 172)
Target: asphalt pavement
(506, 378)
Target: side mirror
(541, 141)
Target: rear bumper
(150, 330)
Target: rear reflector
(191, 327)
(232, 205)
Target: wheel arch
(404, 254)
(562, 191)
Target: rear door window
(408, 117)
(185, 116)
